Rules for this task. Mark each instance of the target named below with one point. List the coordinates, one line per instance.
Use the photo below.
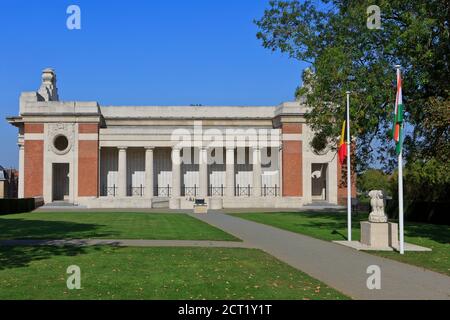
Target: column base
(215, 203)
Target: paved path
(128, 243)
(338, 266)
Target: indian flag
(398, 116)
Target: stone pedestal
(200, 208)
(393, 235)
(379, 235)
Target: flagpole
(349, 183)
(400, 186)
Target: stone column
(256, 191)
(122, 187)
(203, 172)
(229, 174)
(176, 173)
(149, 172)
(21, 189)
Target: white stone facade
(167, 156)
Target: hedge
(421, 211)
(8, 206)
(429, 212)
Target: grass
(105, 225)
(153, 273)
(333, 226)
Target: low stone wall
(187, 204)
(115, 202)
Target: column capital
(149, 148)
(229, 148)
(122, 148)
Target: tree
(373, 179)
(345, 54)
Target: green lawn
(106, 225)
(333, 226)
(153, 273)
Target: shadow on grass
(16, 229)
(343, 236)
(21, 256)
(338, 220)
(18, 256)
(438, 233)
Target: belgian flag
(342, 151)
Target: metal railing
(246, 191)
(190, 191)
(163, 191)
(137, 191)
(240, 191)
(270, 191)
(216, 191)
(110, 191)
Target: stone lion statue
(377, 202)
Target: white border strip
(292, 137)
(87, 136)
(33, 136)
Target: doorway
(319, 181)
(60, 184)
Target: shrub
(426, 187)
(8, 206)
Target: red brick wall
(34, 168)
(291, 128)
(33, 162)
(88, 128)
(292, 169)
(34, 128)
(292, 162)
(88, 168)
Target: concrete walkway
(340, 267)
(127, 243)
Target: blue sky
(138, 52)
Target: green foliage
(345, 55)
(373, 179)
(424, 181)
(428, 181)
(426, 185)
